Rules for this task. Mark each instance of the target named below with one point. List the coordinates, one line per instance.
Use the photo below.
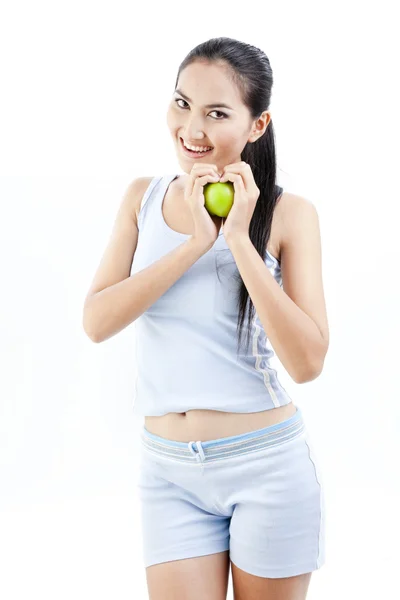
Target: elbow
(94, 339)
(313, 367)
(307, 376)
(92, 336)
(88, 327)
(310, 372)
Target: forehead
(209, 82)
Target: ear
(259, 126)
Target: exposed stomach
(204, 425)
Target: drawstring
(200, 456)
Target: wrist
(198, 245)
(238, 239)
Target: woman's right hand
(206, 226)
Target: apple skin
(218, 197)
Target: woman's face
(227, 130)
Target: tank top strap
(153, 196)
(278, 190)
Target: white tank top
(186, 342)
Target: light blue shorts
(258, 495)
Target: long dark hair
(252, 73)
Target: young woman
(228, 477)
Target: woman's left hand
(237, 223)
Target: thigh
(278, 525)
(177, 524)
(194, 578)
(252, 587)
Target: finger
(238, 184)
(201, 171)
(201, 168)
(200, 182)
(245, 175)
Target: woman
(228, 476)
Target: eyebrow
(212, 105)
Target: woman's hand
(206, 226)
(237, 223)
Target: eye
(224, 116)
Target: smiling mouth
(193, 153)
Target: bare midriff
(205, 425)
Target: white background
(85, 90)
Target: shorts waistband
(218, 449)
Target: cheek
(172, 120)
(227, 138)
(232, 140)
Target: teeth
(196, 148)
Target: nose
(193, 131)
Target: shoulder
(135, 193)
(295, 215)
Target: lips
(193, 153)
(201, 145)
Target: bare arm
(112, 309)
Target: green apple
(218, 197)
